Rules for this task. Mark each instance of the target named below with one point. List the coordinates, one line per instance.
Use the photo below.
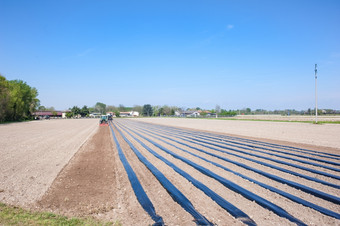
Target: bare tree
(138, 108)
(218, 108)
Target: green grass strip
(11, 215)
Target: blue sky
(237, 54)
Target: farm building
(48, 114)
(129, 114)
(95, 115)
(187, 114)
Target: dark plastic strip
(283, 147)
(172, 190)
(276, 167)
(142, 197)
(276, 155)
(268, 149)
(304, 188)
(273, 189)
(233, 210)
(232, 186)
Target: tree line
(17, 100)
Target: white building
(129, 114)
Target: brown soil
(324, 135)
(33, 153)
(88, 180)
(94, 183)
(259, 214)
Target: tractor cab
(103, 120)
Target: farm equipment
(109, 117)
(103, 120)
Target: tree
(35, 102)
(121, 108)
(155, 110)
(161, 111)
(100, 107)
(23, 100)
(84, 111)
(42, 108)
(18, 100)
(50, 109)
(111, 108)
(69, 114)
(309, 111)
(218, 109)
(75, 111)
(138, 108)
(173, 110)
(4, 98)
(227, 113)
(117, 113)
(203, 113)
(147, 110)
(166, 110)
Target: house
(47, 114)
(63, 114)
(111, 113)
(124, 114)
(210, 114)
(134, 113)
(177, 113)
(95, 115)
(129, 114)
(187, 114)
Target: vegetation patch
(11, 215)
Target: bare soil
(259, 214)
(88, 181)
(311, 118)
(94, 184)
(321, 135)
(33, 153)
(82, 175)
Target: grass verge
(11, 215)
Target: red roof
(50, 113)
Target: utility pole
(316, 95)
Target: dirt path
(94, 183)
(87, 184)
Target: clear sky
(187, 53)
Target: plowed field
(141, 173)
